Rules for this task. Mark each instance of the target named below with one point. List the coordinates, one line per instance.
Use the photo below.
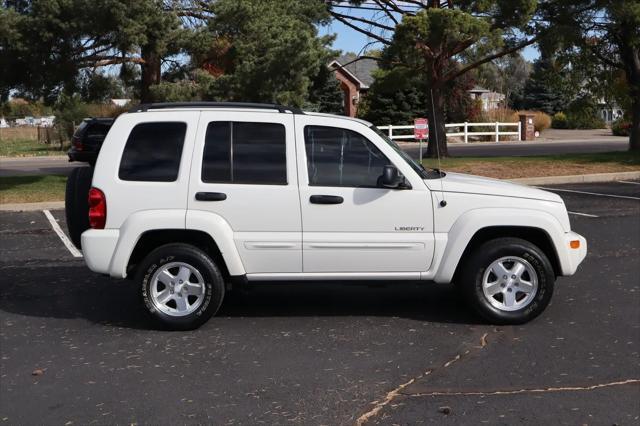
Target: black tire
(214, 288)
(471, 276)
(76, 202)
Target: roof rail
(248, 105)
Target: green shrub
(621, 127)
(583, 114)
(560, 121)
(584, 120)
(70, 111)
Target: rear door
(244, 170)
(350, 223)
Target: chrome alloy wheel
(510, 283)
(177, 289)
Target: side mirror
(391, 178)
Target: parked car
(85, 146)
(88, 138)
(190, 200)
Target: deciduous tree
(432, 38)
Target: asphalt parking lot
(76, 348)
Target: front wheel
(181, 286)
(507, 281)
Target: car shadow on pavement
(71, 291)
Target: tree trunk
(150, 72)
(630, 56)
(634, 136)
(437, 131)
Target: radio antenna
(443, 202)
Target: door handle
(211, 196)
(326, 199)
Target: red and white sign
(421, 128)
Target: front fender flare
(469, 223)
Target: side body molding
(472, 221)
(222, 234)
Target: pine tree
(546, 90)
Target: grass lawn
(30, 148)
(31, 189)
(543, 165)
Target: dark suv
(88, 138)
(85, 146)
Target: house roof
(361, 70)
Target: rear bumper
(98, 247)
(82, 156)
(573, 256)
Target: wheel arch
(479, 225)
(152, 239)
(537, 236)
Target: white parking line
(65, 240)
(628, 181)
(582, 214)
(589, 193)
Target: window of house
(153, 152)
(341, 157)
(245, 153)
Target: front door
(351, 223)
(244, 170)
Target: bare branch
(604, 59)
(386, 10)
(365, 21)
(494, 56)
(363, 31)
(102, 60)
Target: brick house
(355, 79)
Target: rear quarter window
(153, 152)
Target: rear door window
(153, 152)
(245, 153)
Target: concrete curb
(33, 157)
(595, 177)
(28, 207)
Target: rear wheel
(76, 202)
(507, 281)
(181, 286)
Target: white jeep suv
(190, 198)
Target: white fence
(460, 129)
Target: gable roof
(361, 70)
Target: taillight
(77, 144)
(97, 209)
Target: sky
(349, 40)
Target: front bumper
(574, 256)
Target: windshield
(417, 167)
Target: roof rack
(248, 105)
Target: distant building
(355, 79)
(120, 102)
(28, 121)
(490, 100)
(609, 112)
